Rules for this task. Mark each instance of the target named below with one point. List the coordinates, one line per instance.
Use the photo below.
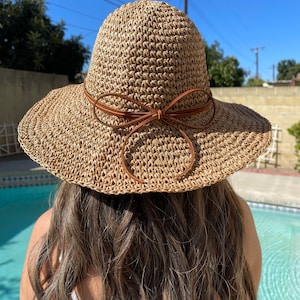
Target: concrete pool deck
(270, 186)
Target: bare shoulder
(250, 228)
(43, 222)
(40, 228)
(252, 244)
(246, 212)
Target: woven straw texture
(151, 52)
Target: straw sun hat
(144, 120)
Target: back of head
(148, 246)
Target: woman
(144, 210)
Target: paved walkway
(17, 163)
(266, 186)
(272, 188)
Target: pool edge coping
(39, 176)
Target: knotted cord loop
(144, 117)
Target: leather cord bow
(144, 117)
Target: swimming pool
(279, 232)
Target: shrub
(295, 131)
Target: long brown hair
(149, 246)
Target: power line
(79, 27)
(119, 3)
(74, 11)
(211, 25)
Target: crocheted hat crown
(149, 51)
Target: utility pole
(273, 73)
(256, 50)
(185, 7)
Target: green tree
(253, 81)
(214, 54)
(224, 71)
(29, 41)
(287, 69)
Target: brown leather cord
(150, 115)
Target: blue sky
(273, 26)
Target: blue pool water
(19, 208)
(279, 234)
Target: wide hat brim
(60, 133)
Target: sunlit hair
(149, 246)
